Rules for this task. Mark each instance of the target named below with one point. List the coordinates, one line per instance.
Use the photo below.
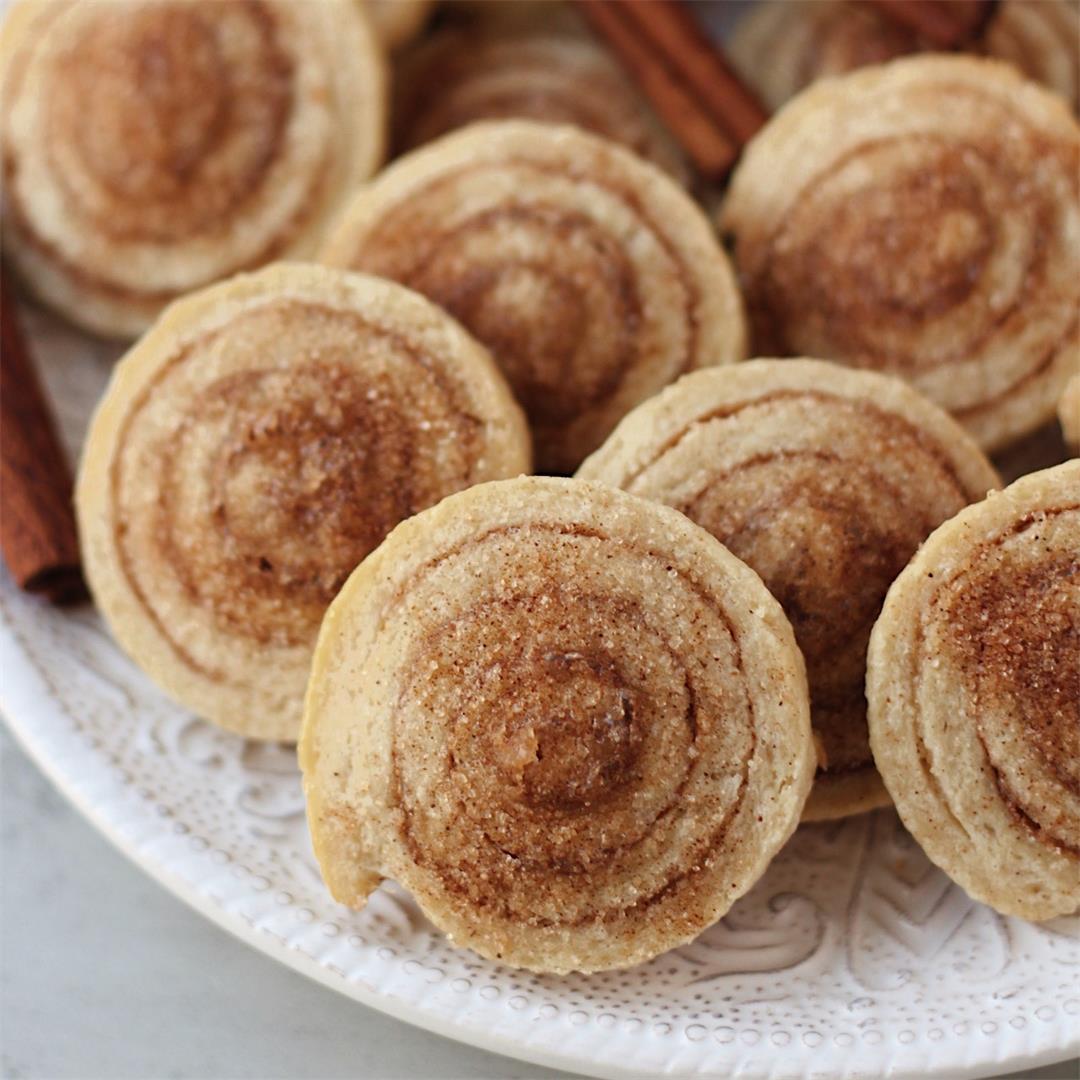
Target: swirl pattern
(780, 47)
(461, 76)
(244, 463)
(935, 244)
(974, 694)
(591, 276)
(1039, 38)
(825, 482)
(152, 146)
(580, 733)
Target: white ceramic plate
(852, 957)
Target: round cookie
(251, 449)
(823, 480)
(461, 76)
(569, 721)
(780, 47)
(151, 147)
(973, 685)
(1039, 38)
(591, 275)
(879, 229)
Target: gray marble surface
(106, 976)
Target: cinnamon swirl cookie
(461, 76)
(920, 218)
(825, 481)
(592, 277)
(251, 449)
(780, 47)
(569, 721)
(1069, 412)
(1039, 37)
(974, 692)
(153, 146)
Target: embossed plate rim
(17, 699)
(261, 939)
(41, 726)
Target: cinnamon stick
(944, 24)
(37, 522)
(684, 75)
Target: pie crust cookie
(151, 147)
(569, 721)
(920, 218)
(974, 694)
(251, 449)
(463, 75)
(591, 275)
(779, 46)
(823, 480)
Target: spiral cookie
(567, 720)
(825, 481)
(458, 77)
(1039, 37)
(780, 47)
(153, 146)
(877, 227)
(263, 437)
(1069, 412)
(591, 276)
(974, 696)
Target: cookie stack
(577, 715)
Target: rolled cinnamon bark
(37, 523)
